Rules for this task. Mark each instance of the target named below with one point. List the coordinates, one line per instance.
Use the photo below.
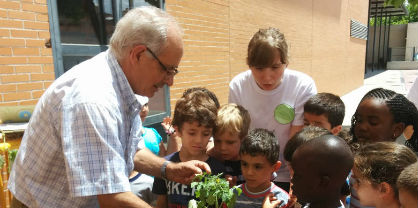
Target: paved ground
(399, 81)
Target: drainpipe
(380, 37)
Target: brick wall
(216, 38)
(26, 65)
(217, 33)
(206, 59)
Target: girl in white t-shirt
(273, 94)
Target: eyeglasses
(170, 72)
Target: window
(80, 29)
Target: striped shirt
(248, 199)
(81, 138)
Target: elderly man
(83, 138)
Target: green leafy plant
(12, 157)
(2, 161)
(213, 191)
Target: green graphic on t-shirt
(284, 113)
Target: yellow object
(4, 146)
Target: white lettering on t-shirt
(174, 188)
(183, 190)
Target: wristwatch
(163, 169)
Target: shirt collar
(127, 93)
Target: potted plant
(213, 191)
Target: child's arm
(162, 201)
(173, 142)
(232, 180)
(163, 151)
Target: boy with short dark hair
(259, 160)
(325, 110)
(306, 134)
(194, 120)
(321, 166)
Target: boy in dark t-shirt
(194, 120)
(178, 195)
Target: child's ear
(398, 129)
(386, 190)
(277, 166)
(336, 129)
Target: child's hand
(293, 199)
(166, 123)
(270, 201)
(232, 180)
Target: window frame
(59, 49)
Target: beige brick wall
(206, 59)
(216, 37)
(217, 33)
(26, 65)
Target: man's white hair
(141, 26)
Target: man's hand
(270, 201)
(185, 172)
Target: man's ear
(277, 166)
(398, 129)
(136, 52)
(336, 129)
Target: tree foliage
(396, 20)
(398, 3)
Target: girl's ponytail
(404, 111)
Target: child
(382, 115)
(141, 184)
(407, 185)
(259, 160)
(194, 120)
(152, 138)
(231, 128)
(174, 142)
(320, 168)
(376, 169)
(273, 94)
(325, 110)
(306, 134)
